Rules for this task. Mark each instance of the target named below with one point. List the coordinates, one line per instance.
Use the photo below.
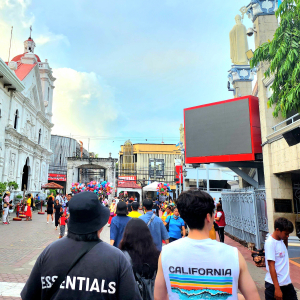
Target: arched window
(40, 136)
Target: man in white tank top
(197, 267)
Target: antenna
(10, 42)
(30, 28)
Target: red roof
(23, 70)
(18, 57)
(129, 185)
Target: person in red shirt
(62, 225)
(220, 220)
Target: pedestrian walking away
(90, 269)
(118, 224)
(50, 207)
(278, 282)
(220, 220)
(175, 225)
(197, 267)
(137, 244)
(155, 225)
(5, 208)
(57, 212)
(134, 213)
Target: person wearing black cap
(118, 224)
(81, 266)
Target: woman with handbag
(28, 211)
(175, 225)
(220, 220)
(50, 207)
(57, 212)
(112, 209)
(5, 206)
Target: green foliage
(53, 191)
(12, 185)
(2, 188)
(283, 56)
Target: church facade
(26, 98)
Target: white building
(26, 97)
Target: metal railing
(246, 215)
(292, 119)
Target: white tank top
(200, 269)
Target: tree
(12, 185)
(283, 56)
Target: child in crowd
(278, 283)
(62, 225)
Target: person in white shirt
(278, 283)
(197, 267)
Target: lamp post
(184, 173)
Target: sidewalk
(258, 274)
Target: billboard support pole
(245, 176)
(197, 178)
(207, 178)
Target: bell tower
(29, 45)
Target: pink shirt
(6, 199)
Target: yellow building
(149, 162)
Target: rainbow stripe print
(201, 287)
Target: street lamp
(184, 173)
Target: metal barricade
(246, 215)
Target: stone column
(70, 172)
(265, 23)
(241, 78)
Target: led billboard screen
(223, 131)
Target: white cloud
(16, 13)
(50, 37)
(83, 103)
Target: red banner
(178, 174)
(123, 179)
(57, 177)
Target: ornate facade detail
(241, 73)
(12, 164)
(261, 7)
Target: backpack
(145, 285)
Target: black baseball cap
(87, 214)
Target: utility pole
(154, 169)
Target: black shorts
(288, 292)
(49, 211)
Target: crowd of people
(137, 265)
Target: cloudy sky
(126, 69)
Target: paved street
(22, 242)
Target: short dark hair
(121, 209)
(90, 237)
(219, 207)
(148, 204)
(284, 224)
(193, 206)
(135, 206)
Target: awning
(52, 185)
